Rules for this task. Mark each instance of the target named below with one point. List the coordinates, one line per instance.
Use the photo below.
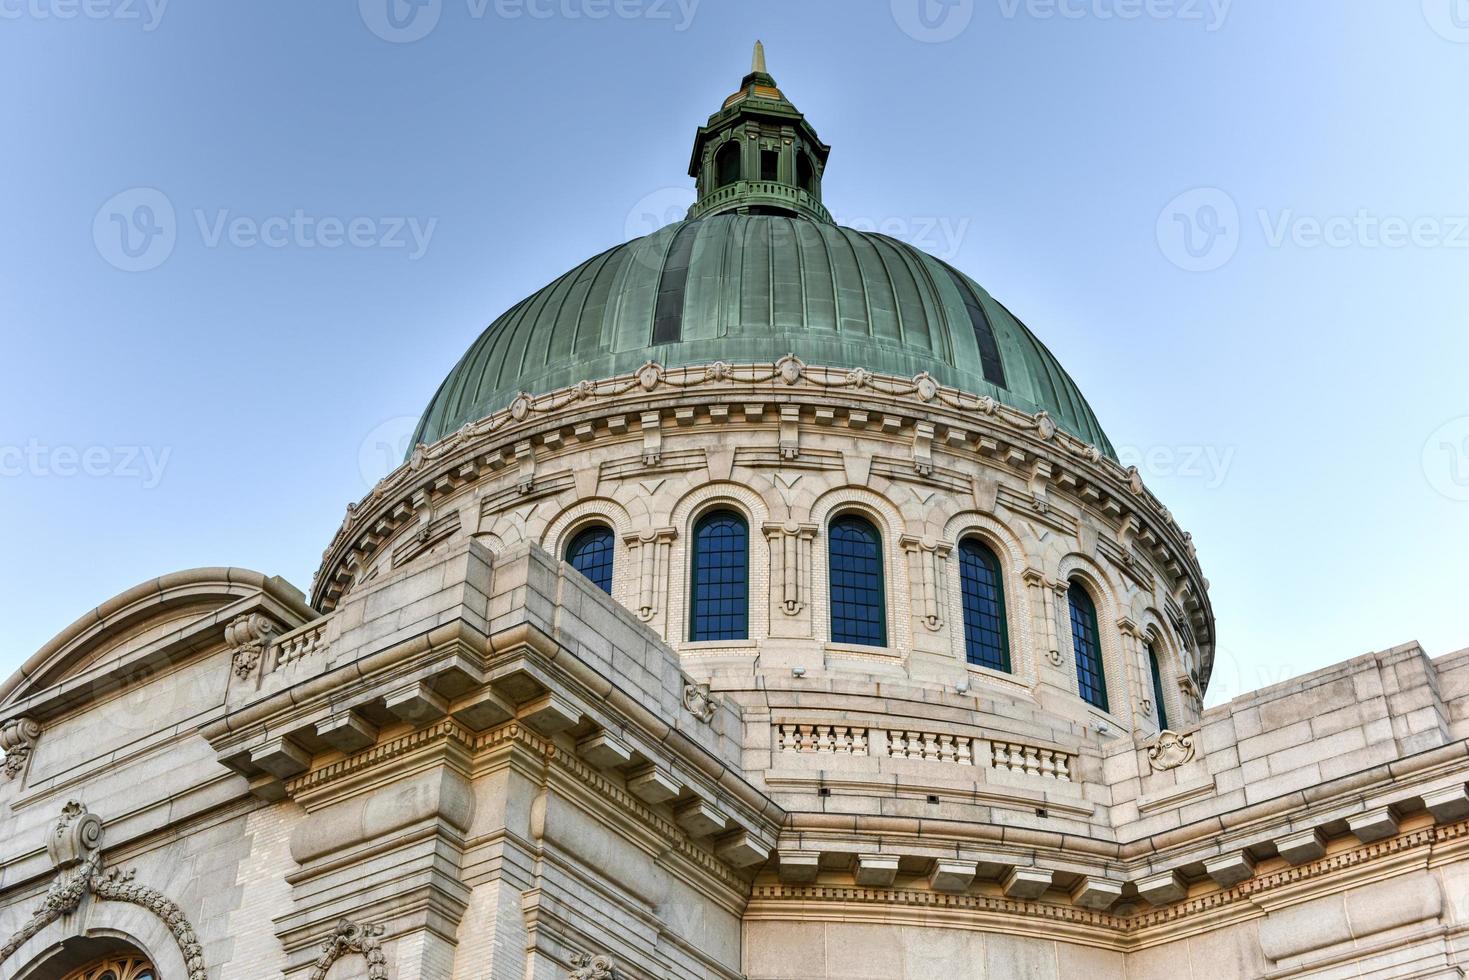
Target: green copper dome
(759, 271)
(750, 289)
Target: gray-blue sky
(1284, 377)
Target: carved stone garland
(75, 848)
(351, 937)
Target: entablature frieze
(1041, 457)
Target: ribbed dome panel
(752, 288)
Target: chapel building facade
(761, 599)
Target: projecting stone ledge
(1298, 848)
(1096, 893)
(1163, 889)
(952, 876)
(1229, 870)
(1027, 883)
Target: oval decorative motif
(649, 375)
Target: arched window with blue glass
(590, 552)
(982, 588)
(1156, 667)
(1086, 643)
(858, 593)
(719, 607)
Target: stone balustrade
(963, 750)
(296, 645)
(1030, 760)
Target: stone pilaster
(790, 577)
(928, 571)
(1139, 671)
(648, 552)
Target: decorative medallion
(926, 388)
(718, 371)
(790, 369)
(1045, 426)
(649, 375)
(1170, 751)
(520, 407)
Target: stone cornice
(594, 409)
(1124, 930)
(387, 759)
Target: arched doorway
(116, 968)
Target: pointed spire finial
(757, 63)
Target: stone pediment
(161, 621)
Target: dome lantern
(758, 154)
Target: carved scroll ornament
(589, 967)
(18, 740)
